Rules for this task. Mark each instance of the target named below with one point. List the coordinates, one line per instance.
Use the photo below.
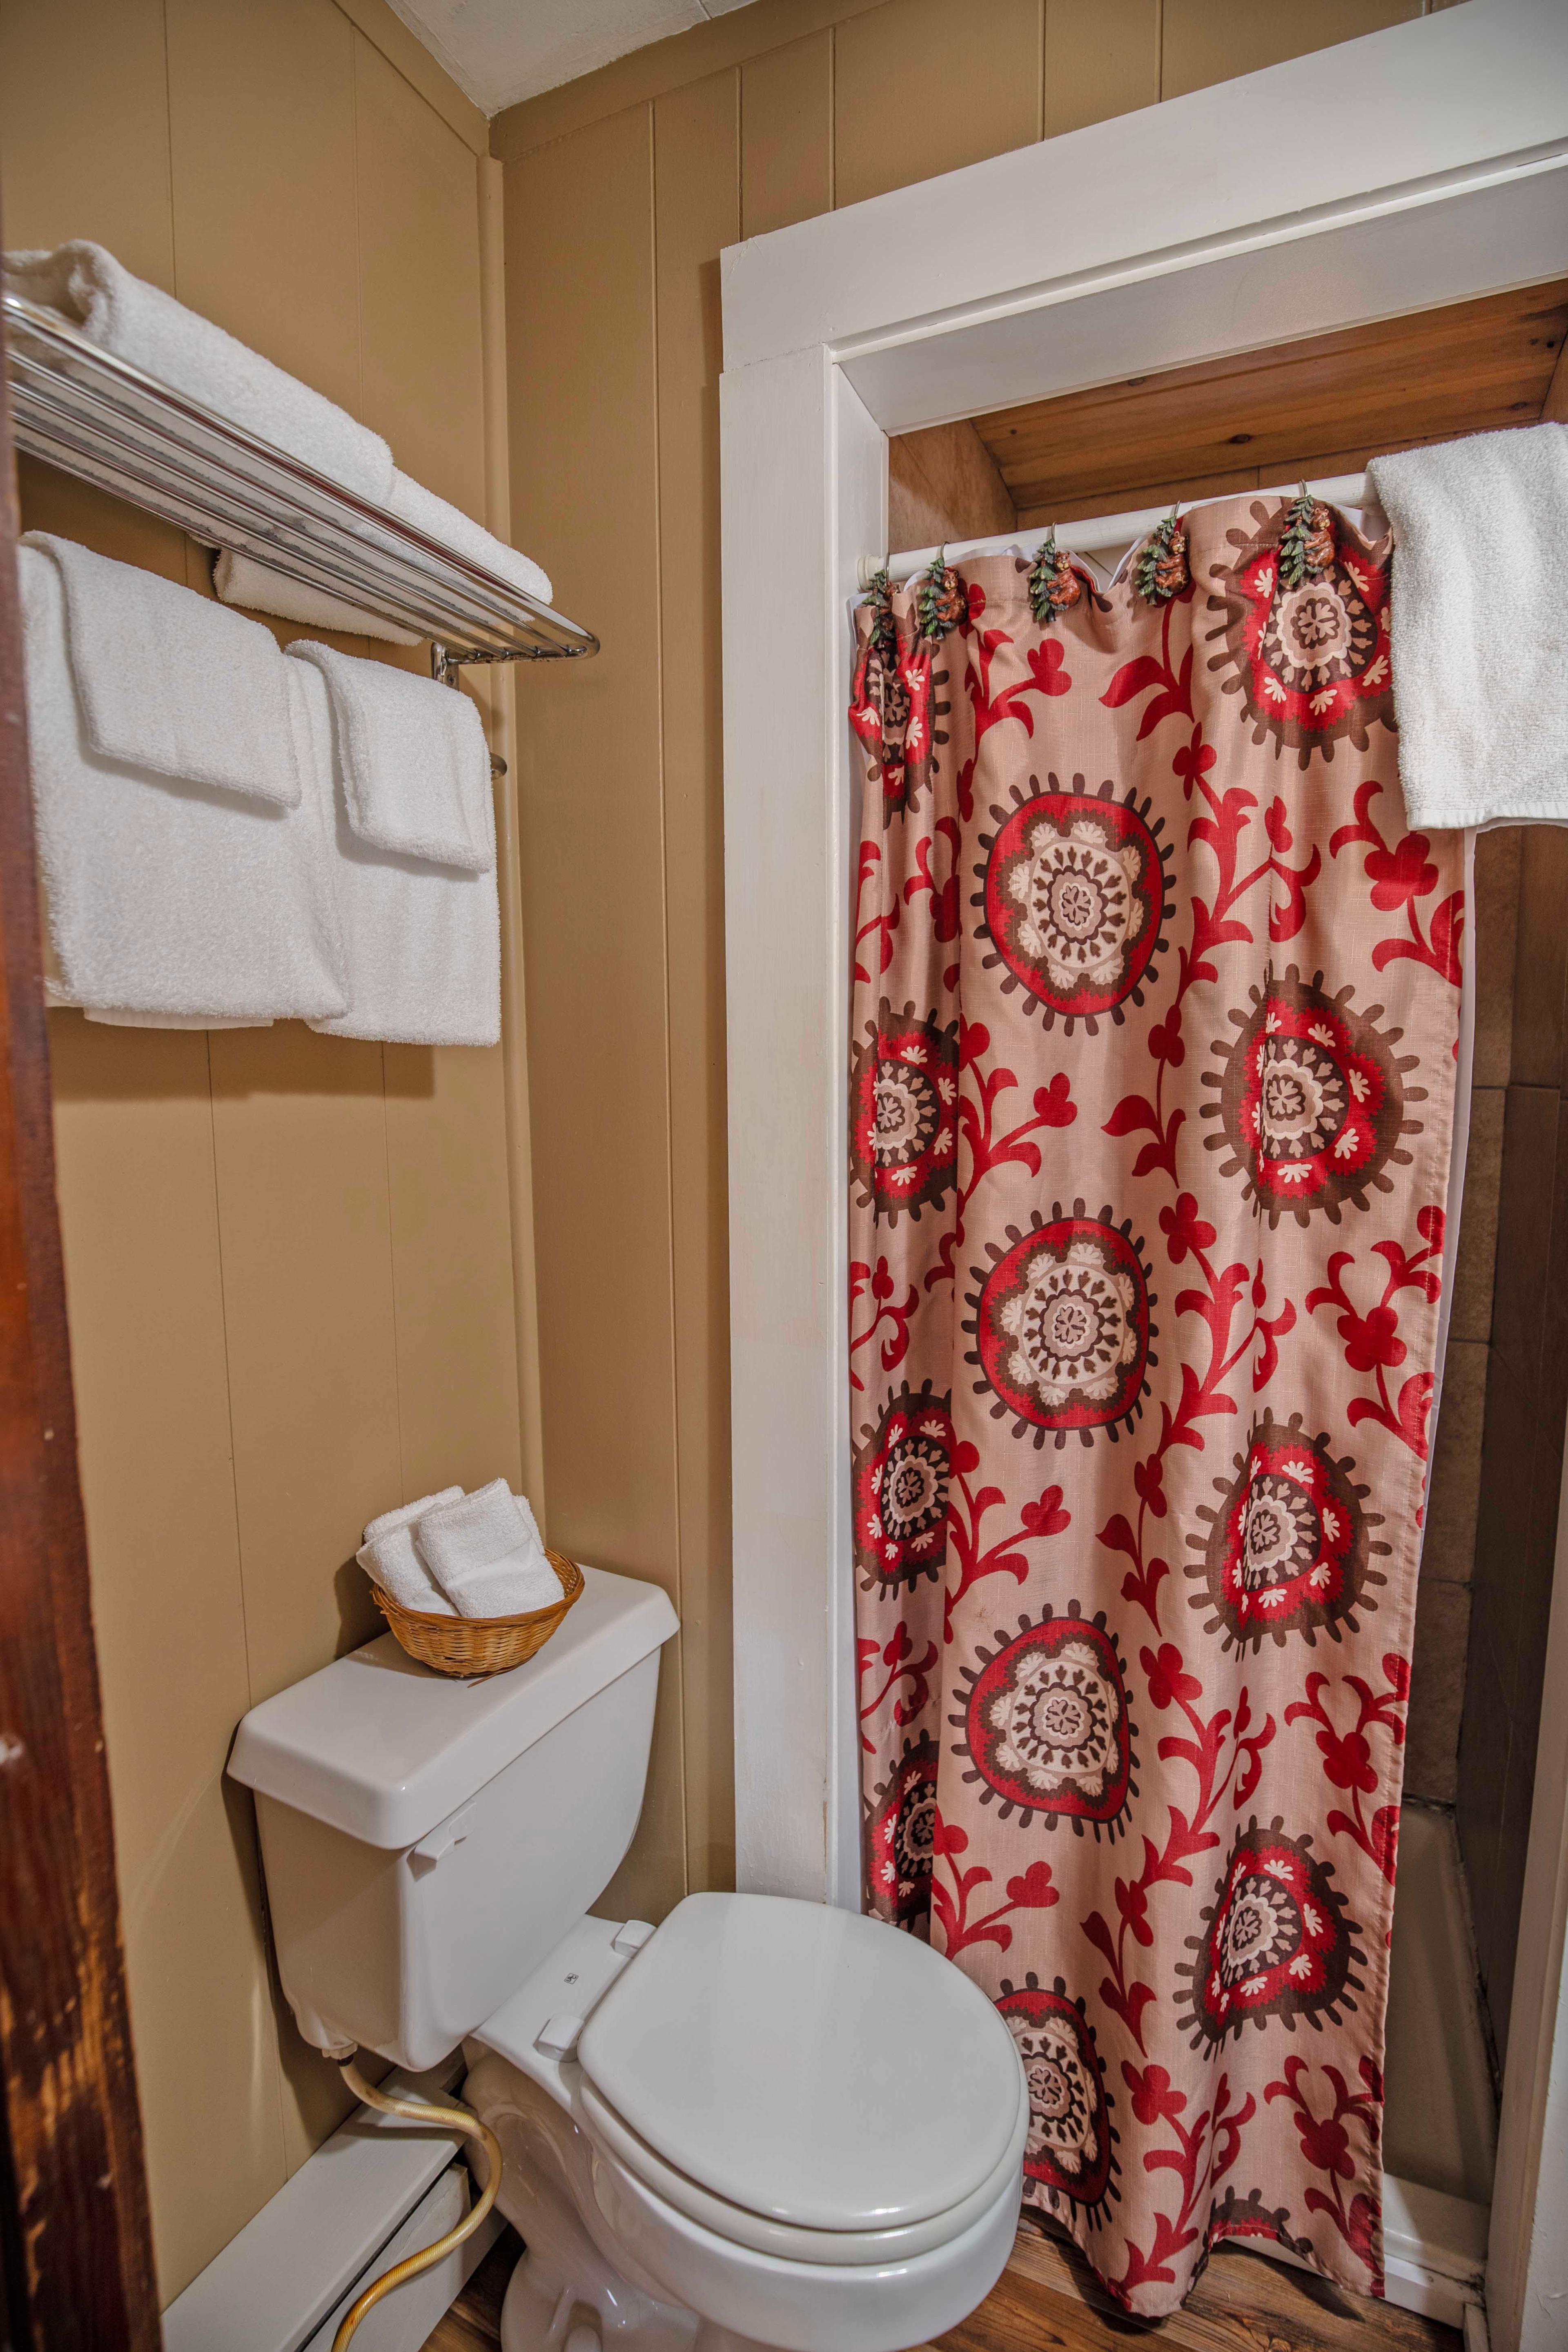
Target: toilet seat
(788, 2074)
(619, 2143)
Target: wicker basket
(480, 1645)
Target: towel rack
(97, 416)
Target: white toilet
(764, 2123)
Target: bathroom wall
(621, 189)
(289, 1258)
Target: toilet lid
(802, 2062)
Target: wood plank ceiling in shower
(1323, 406)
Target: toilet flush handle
(441, 1839)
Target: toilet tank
(427, 1841)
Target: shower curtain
(1152, 1069)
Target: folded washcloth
(240, 579)
(390, 1556)
(167, 897)
(415, 766)
(485, 1554)
(421, 943)
(168, 680)
(413, 504)
(1479, 624)
(141, 323)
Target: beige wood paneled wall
(288, 1257)
(621, 189)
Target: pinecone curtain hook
(942, 602)
(1054, 586)
(880, 596)
(1307, 542)
(1161, 570)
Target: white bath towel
(390, 1555)
(440, 521)
(415, 766)
(167, 897)
(168, 680)
(241, 580)
(141, 323)
(1478, 622)
(421, 942)
(485, 1554)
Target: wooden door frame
(1436, 170)
(75, 2254)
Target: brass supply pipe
(451, 2119)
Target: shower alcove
(1074, 363)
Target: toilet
(763, 2123)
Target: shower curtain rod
(1095, 533)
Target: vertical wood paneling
(786, 134)
(84, 127)
(139, 1216)
(1102, 57)
(924, 85)
(1207, 41)
(696, 191)
(422, 356)
(262, 141)
(579, 216)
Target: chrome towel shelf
(96, 416)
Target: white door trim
(1435, 171)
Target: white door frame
(1436, 170)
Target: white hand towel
(168, 680)
(414, 504)
(421, 943)
(415, 766)
(240, 579)
(167, 897)
(485, 1554)
(141, 323)
(1479, 624)
(390, 1556)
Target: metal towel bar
(97, 416)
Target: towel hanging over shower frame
(97, 416)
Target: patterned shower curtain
(1152, 1072)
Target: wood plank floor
(1046, 2301)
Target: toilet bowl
(763, 2124)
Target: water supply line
(419, 2111)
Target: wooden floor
(1046, 2301)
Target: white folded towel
(168, 897)
(1479, 624)
(421, 943)
(168, 680)
(415, 766)
(485, 1554)
(390, 1556)
(414, 504)
(241, 580)
(149, 328)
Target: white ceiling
(501, 50)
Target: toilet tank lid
(385, 1749)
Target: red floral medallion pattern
(1047, 1727)
(1061, 1325)
(903, 1469)
(1278, 1942)
(1290, 1546)
(1311, 1099)
(1095, 932)
(1074, 898)
(1070, 2154)
(1311, 662)
(903, 1101)
(899, 1836)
